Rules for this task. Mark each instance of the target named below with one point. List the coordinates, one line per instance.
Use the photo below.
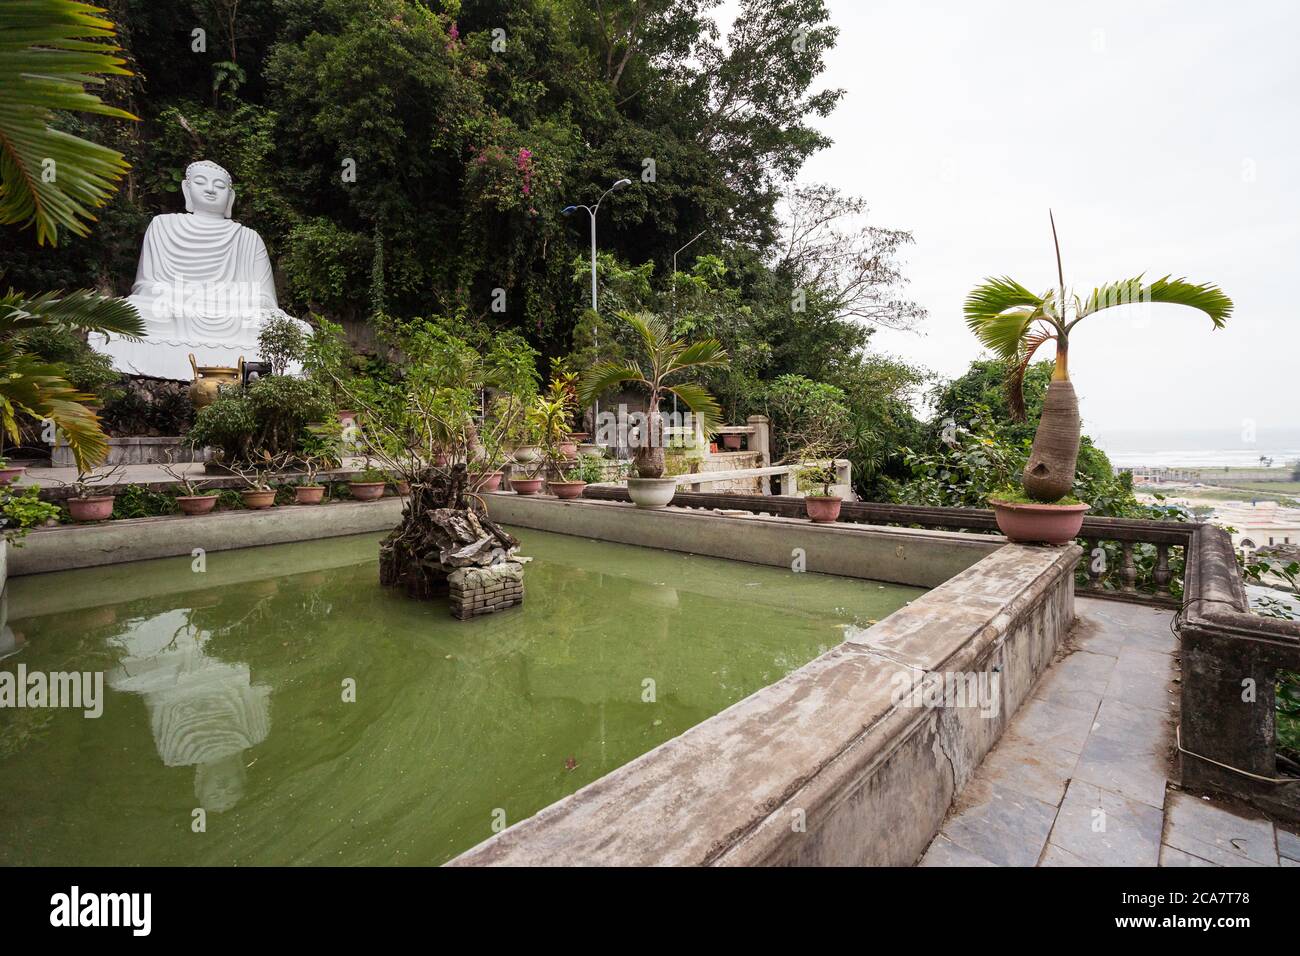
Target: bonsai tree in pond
(665, 363)
(1014, 323)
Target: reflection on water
(453, 726)
(204, 713)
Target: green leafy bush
(269, 416)
(21, 509)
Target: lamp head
(568, 210)
(622, 182)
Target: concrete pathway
(1082, 775)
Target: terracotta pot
(9, 475)
(525, 453)
(567, 489)
(1039, 524)
(480, 481)
(367, 490)
(94, 508)
(402, 487)
(257, 500)
(651, 492)
(580, 437)
(308, 494)
(731, 442)
(526, 486)
(822, 508)
(568, 449)
(196, 504)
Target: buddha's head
(208, 190)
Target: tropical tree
(32, 386)
(1014, 323)
(666, 360)
(49, 50)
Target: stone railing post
(760, 440)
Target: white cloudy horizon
(1162, 135)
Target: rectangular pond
(316, 718)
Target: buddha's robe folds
(204, 285)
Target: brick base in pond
(476, 591)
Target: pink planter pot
(526, 486)
(478, 481)
(1039, 524)
(731, 442)
(568, 449)
(403, 488)
(94, 508)
(821, 508)
(9, 475)
(196, 504)
(308, 494)
(567, 489)
(366, 490)
(258, 500)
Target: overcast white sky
(1166, 137)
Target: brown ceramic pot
(822, 508)
(196, 504)
(308, 494)
(566, 489)
(366, 490)
(94, 508)
(258, 500)
(1038, 524)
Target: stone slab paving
(1082, 775)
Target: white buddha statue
(204, 285)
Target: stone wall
(835, 764)
(477, 591)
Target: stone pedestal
(476, 591)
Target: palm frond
(49, 51)
(698, 399)
(706, 353)
(1207, 297)
(1015, 383)
(603, 376)
(999, 312)
(83, 310)
(32, 387)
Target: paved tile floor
(1082, 775)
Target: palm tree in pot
(1014, 323)
(660, 370)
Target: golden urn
(208, 378)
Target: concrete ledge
(897, 555)
(832, 765)
(139, 539)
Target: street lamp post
(689, 241)
(591, 212)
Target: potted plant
(824, 507)
(369, 485)
(260, 493)
(666, 361)
(575, 477)
(84, 505)
(1013, 323)
(320, 447)
(192, 502)
(9, 475)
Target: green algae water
(317, 718)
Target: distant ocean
(1199, 449)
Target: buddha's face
(207, 193)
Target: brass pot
(208, 378)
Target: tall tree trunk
(1049, 475)
(649, 456)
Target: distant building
(1260, 525)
